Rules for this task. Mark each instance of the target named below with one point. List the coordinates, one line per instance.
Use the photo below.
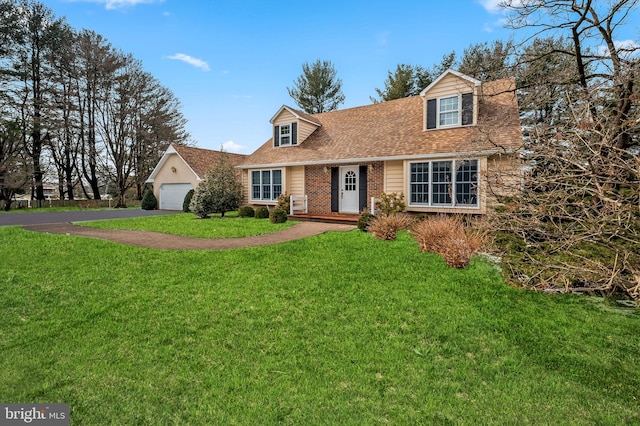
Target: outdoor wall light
(326, 170)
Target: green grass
(335, 329)
(189, 225)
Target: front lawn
(339, 328)
(189, 225)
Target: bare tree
(575, 226)
(14, 171)
(97, 63)
(158, 123)
(63, 137)
(33, 39)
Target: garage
(172, 195)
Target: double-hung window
(451, 183)
(449, 111)
(266, 185)
(285, 134)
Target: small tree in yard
(219, 192)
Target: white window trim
(459, 112)
(454, 200)
(262, 199)
(289, 135)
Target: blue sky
(230, 62)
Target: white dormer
(292, 127)
(451, 100)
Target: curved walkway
(159, 240)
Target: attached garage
(181, 169)
(172, 195)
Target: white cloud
(121, 4)
(492, 6)
(626, 48)
(198, 63)
(487, 28)
(231, 146)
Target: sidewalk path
(159, 240)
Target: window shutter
(432, 114)
(362, 187)
(294, 133)
(467, 109)
(276, 135)
(335, 189)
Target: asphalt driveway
(41, 218)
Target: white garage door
(172, 195)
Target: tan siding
(504, 176)
(285, 117)
(450, 85)
(183, 174)
(304, 130)
(245, 187)
(394, 176)
(295, 181)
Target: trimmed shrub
(387, 227)
(187, 201)
(149, 201)
(246, 211)
(278, 215)
(261, 212)
(391, 203)
(450, 238)
(364, 220)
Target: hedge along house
(181, 169)
(446, 150)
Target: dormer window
(450, 111)
(285, 134)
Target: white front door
(349, 200)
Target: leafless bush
(450, 238)
(387, 227)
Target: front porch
(350, 219)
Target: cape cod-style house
(446, 150)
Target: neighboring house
(444, 150)
(180, 169)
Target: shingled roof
(395, 129)
(202, 160)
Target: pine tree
(317, 89)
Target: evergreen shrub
(262, 212)
(149, 201)
(246, 211)
(278, 215)
(187, 201)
